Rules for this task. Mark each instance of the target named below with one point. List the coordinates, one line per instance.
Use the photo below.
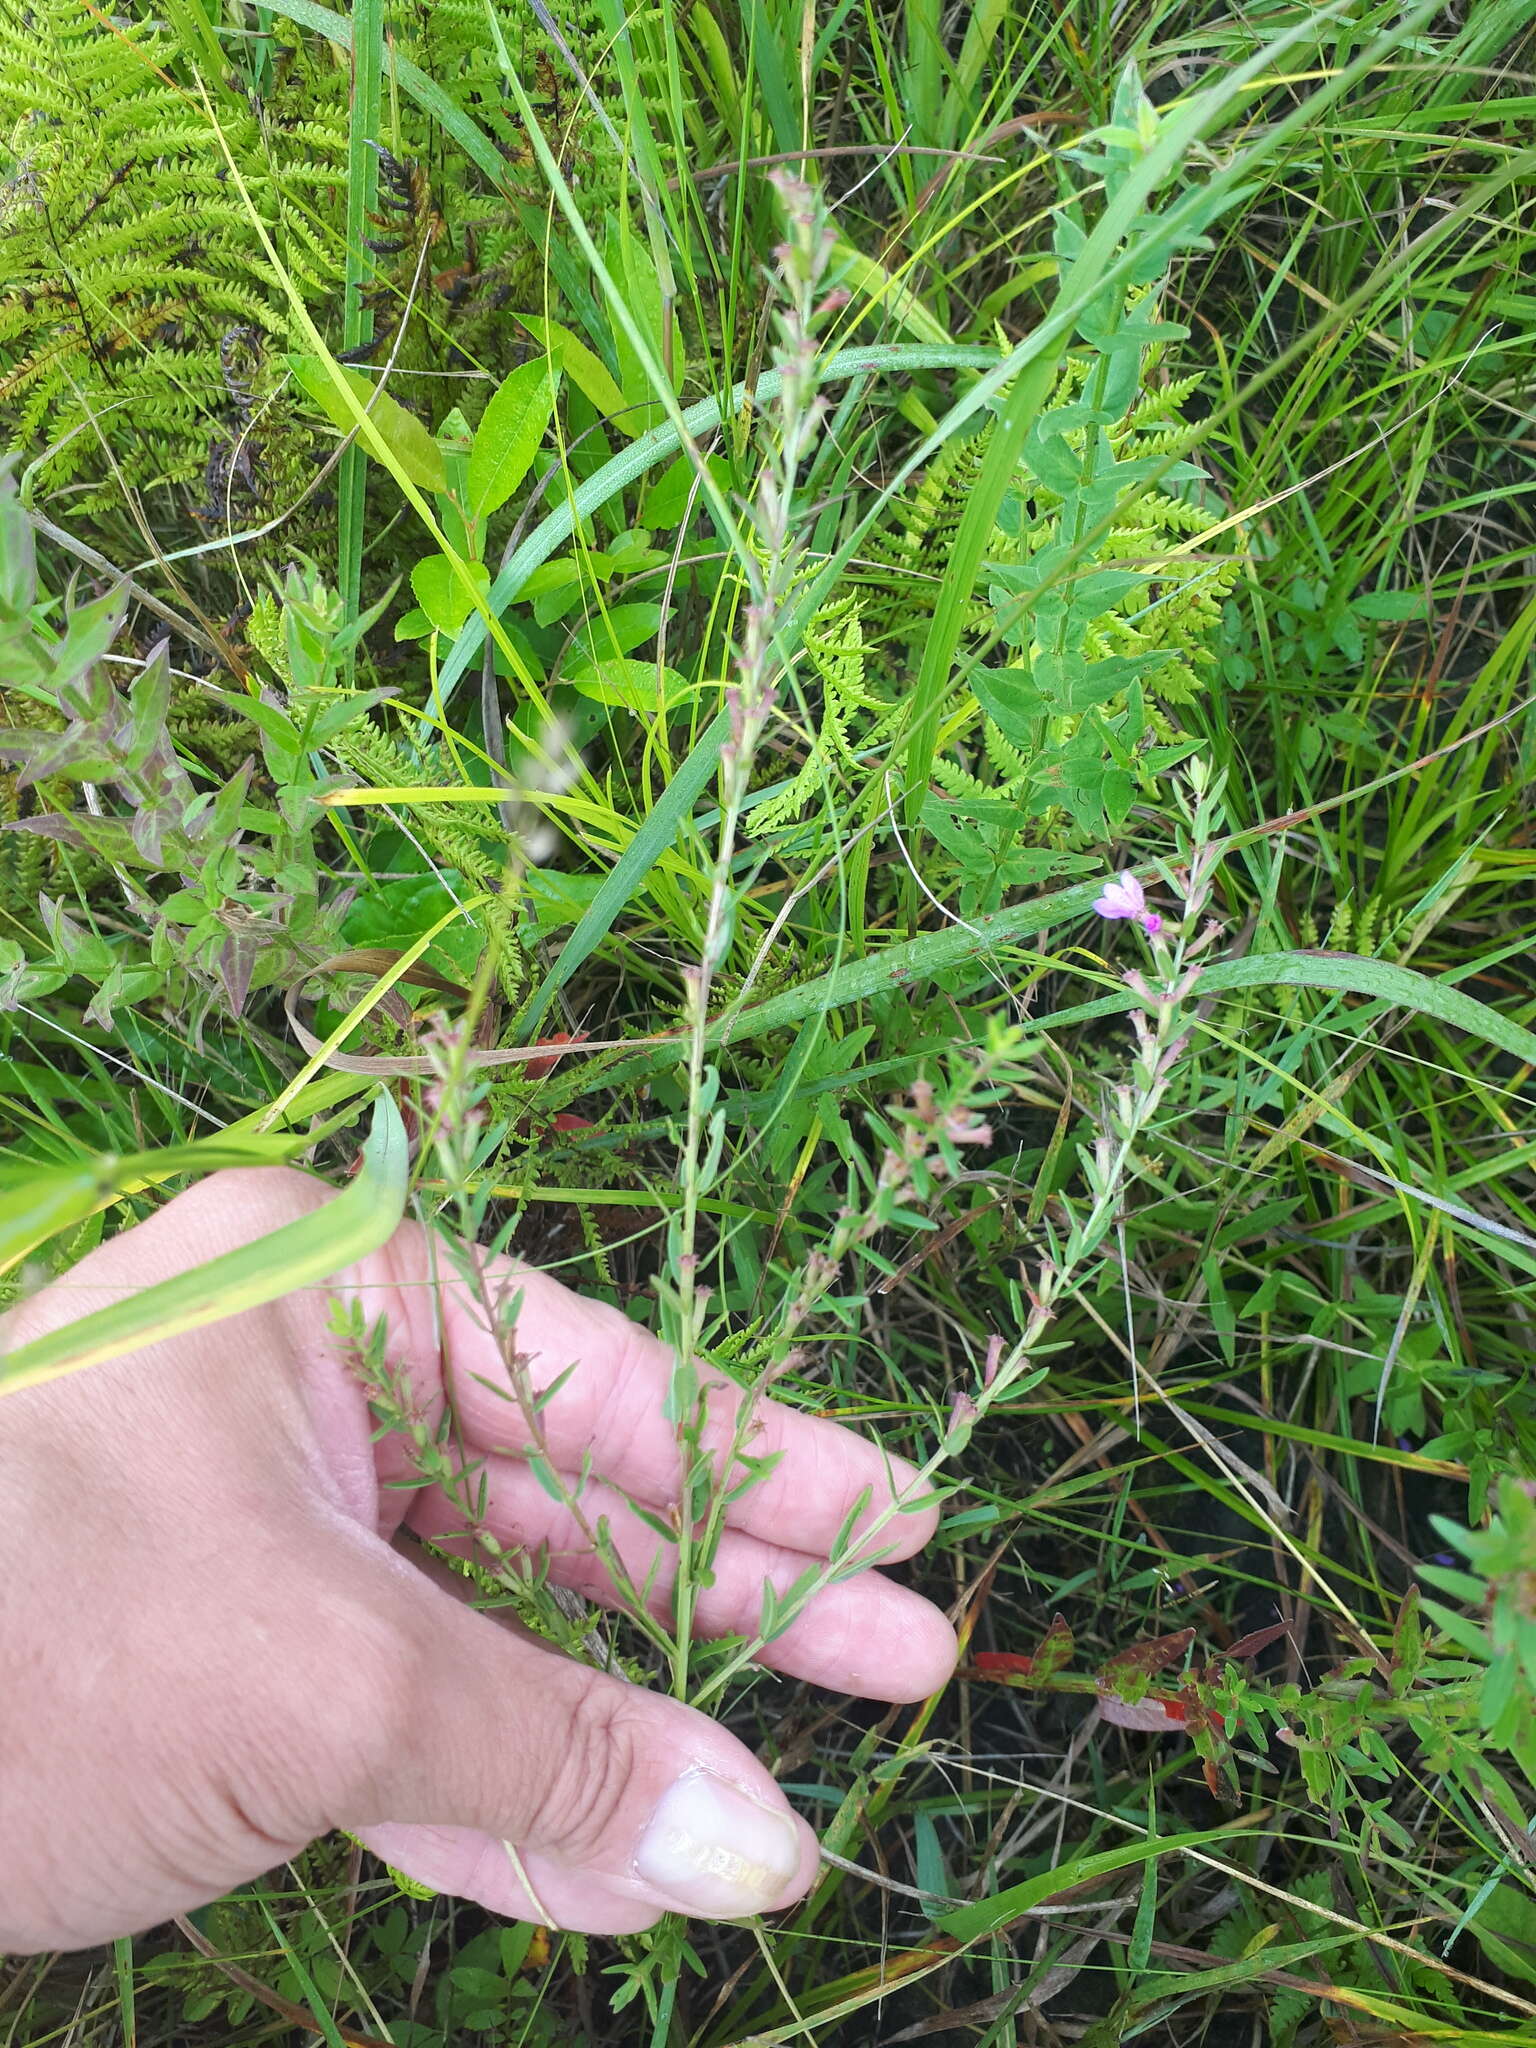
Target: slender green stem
(357, 320)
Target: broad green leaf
(324, 724)
(1388, 604)
(508, 436)
(667, 500)
(586, 371)
(1012, 701)
(616, 631)
(557, 898)
(302, 1254)
(391, 915)
(1505, 1928)
(631, 685)
(405, 436)
(282, 744)
(441, 592)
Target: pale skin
(221, 1636)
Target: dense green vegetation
(705, 537)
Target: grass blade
(303, 1254)
(971, 1923)
(357, 320)
(51, 1201)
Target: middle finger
(864, 1635)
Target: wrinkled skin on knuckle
(578, 1814)
(204, 1820)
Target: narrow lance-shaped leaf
(972, 1922)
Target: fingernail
(714, 1850)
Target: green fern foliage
(138, 307)
(1094, 620)
(1175, 589)
(835, 644)
(130, 258)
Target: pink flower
(1123, 897)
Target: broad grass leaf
(47, 1201)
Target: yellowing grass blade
(300, 1254)
(53, 1199)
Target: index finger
(609, 1412)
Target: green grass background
(1302, 1361)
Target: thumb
(615, 1798)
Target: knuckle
(584, 1799)
(377, 1683)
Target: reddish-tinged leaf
(1208, 1732)
(1158, 1713)
(1056, 1650)
(1130, 1671)
(1154, 1715)
(1250, 1646)
(1001, 1664)
(540, 1070)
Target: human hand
(216, 1644)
